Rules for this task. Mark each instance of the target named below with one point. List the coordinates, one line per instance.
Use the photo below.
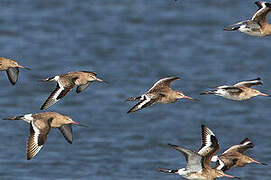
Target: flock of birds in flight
(199, 165)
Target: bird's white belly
(231, 97)
(250, 31)
(194, 177)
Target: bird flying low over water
(40, 126)
(234, 157)
(12, 69)
(240, 91)
(199, 163)
(160, 92)
(65, 82)
(258, 24)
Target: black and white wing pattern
(249, 83)
(145, 101)
(206, 146)
(59, 92)
(36, 138)
(261, 14)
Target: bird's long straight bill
(100, 80)
(257, 162)
(263, 94)
(187, 97)
(23, 67)
(229, 176)
(78, 124)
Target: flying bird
(199, 163)
(240, 91)
(40, 126)
(12, 69)
(257, 25)
(234, 157)
(65, 82)
(160, 92)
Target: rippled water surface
(131, 44)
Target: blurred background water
(131, 44)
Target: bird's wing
(145, 101)
(13, 74)
(193, 159)
(82, 87)
(162, 83)
(242, 147)
(36, 138)
(206, 146)
(59, 92)
(232, 90)
(219, 164)
(66, 130)
(249, 83)
(261, 14)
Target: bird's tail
(208, 92)
(14, 118)
(48, 79)
(231, 28)
(167, 170)
(133, 98)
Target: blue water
(131, 44)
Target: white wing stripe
(259, 11)
(246, 143)
(28, 118)
(147, 99)
(221, 164)
(58, 92)
(36, 133)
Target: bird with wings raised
(240, 91)
(234, 157)
(160, 92)
(199, 163)
(258, 24)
